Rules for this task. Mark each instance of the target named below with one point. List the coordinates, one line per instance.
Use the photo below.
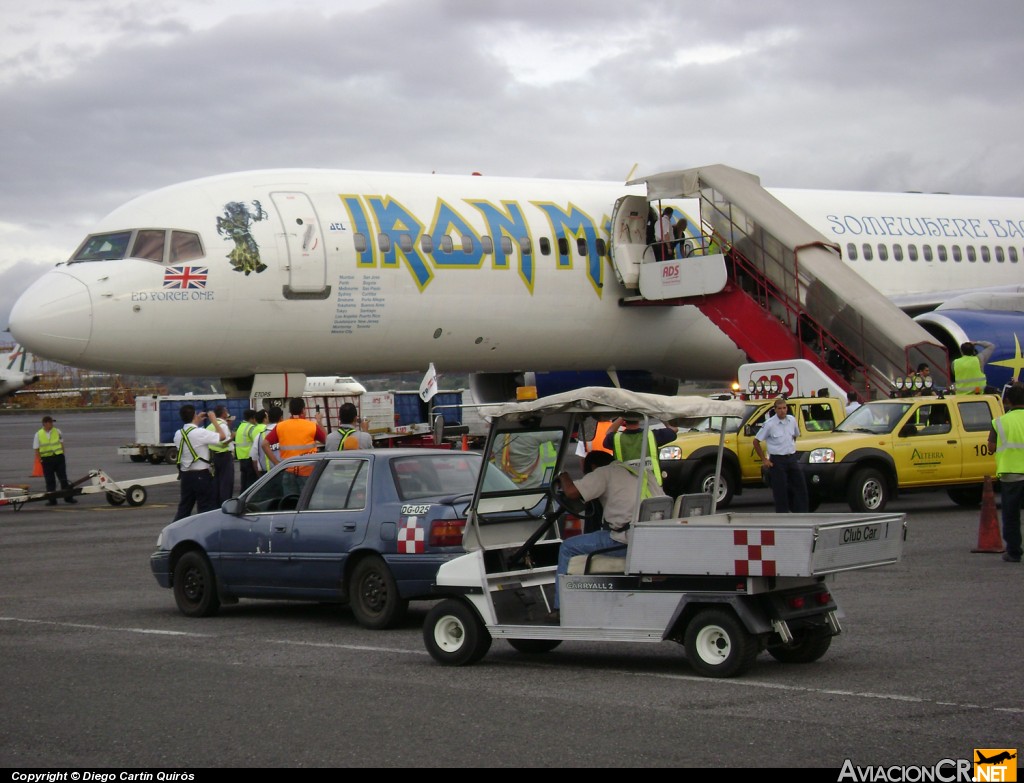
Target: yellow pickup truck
(688, 462)
(889, 446)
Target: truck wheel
(704, 481)
(116, 498)
(136, 495)
(373, 594)
(195, 586)
(534, 646)
(867, 491)
(717, 644)
(454, 635)
(137, 457)
(969, 497)
(156, 459)
(806, 647)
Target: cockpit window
(149, 245)
(104, 247)
(185, 246)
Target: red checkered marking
(411, 537)
(754, 542)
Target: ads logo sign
(995, 764)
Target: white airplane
(512, 280)
(344, 385)
(18, 372)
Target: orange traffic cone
(37, 469)
(989, 538)
(465, 442)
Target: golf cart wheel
(454, 635)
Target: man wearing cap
(221, 457)
(1006, 440)
(49, 448)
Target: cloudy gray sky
(105, 99)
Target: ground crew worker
(351, 434)
(529, 458)
(1006, 439)
(968, 368)
(244, 436)
(261, 462)
(49, 447)
(294, 437)
(624, 440)
(192, 443)
(221, 457)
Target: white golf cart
(726, 586)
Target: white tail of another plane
(17, 371)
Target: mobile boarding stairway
(772, 283)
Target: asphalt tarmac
(99, 670)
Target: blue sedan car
(366, 528)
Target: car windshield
(714, 424)
(881, 416)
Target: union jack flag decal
(185, 277)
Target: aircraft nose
(53, 318)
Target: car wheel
(195, 586)
(373, 594)
(704, 481)
(806, 647)
(717, 644)
(136, 495)
(969, 497)
(454, 635)
(534, 646)
(868, 491)
(116, 498)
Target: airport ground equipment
(724, 586)
(118, 493)
(158, 417)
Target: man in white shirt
(665, 236)
(261, 462)
(779, 433)
(193, 443)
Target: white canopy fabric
(599, 399)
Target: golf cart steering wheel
(576, 507)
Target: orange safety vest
(597, 444)
(295, 437)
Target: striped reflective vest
(1010, 442)
(968, 375)
(50, 444)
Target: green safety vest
(49, 443)
(1010, 442)
(628, 451)
(243, 439)
(548, 455)
(218, 447)
(968, 376)
(645, 490)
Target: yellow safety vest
(968, 375)
(1010, 442)
(49, 443)
(243, 439)
(218, 446)
(631, 454)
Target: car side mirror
(233, 506)
(749, 430)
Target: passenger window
(487, 244)
(1000, 256)
(868, 254)
(185, 246)
(912, 252)
(506, 245)
(897, 252)
(602, 247)
(942, 253)
(1013, 255)
(405, 243)
(545, 246)
(340, 487)
(467, 244)
(563, 246)
(275, 494)
(359, 240)
(149, 245)
(427, 243)
(972, 254)
(957, 254)
(524, 245)
(581, 247)
(976, 416)
(446, 244)
(927, 252)
(986, 254)
(851, 251)
(883, 253)
(384, 242)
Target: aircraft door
(629, 246)
(302, 243)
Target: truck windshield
(877, 417)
